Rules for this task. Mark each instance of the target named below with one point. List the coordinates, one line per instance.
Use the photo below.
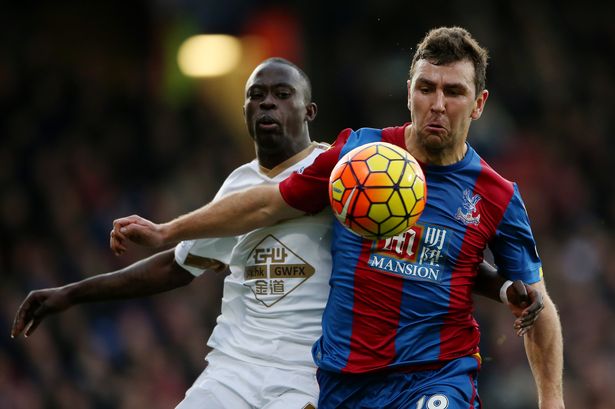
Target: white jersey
(279, 283)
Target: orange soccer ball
(377, 190)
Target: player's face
(275, 108)
(443, 102)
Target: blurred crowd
(87, 135)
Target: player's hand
(137, 230)
(37, 305)
(526, 303)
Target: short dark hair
(308, 83)
(445, 45)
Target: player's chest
(448, 236)
(274, 264)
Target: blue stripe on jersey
(360, 137)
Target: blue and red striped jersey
(406, 301)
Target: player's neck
(439, 157)
(271, 159)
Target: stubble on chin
(432, 143)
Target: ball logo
(344, 211)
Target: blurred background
(98, 121)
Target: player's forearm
(232, 215)
(544, 348)
(153, 275)
(488, 282)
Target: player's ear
(311, 110)
(409, 84)
(479, 105)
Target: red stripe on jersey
(376, 313)
(495, 193)
(459, 335)
(395, 135)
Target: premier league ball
(377, 190)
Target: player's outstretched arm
(544, 349)
(524, 301)
(150, 276)
(231, 215)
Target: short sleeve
(514, 246)
(196, 256)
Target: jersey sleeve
(308, 191)
(514, 247)
(196, 256)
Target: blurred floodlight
(209, 55)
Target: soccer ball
(377, 190)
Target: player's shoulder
(393, 134)
(386, 131)
(349, 138)
(367, 131)
(245, 169)
(243, 176)
(491, 183)
(489, 172)
(345, 134)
